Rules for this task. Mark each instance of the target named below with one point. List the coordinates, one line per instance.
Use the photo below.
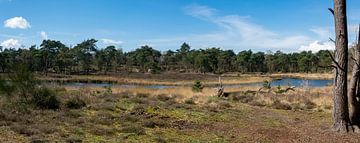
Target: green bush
(45, 98)
(197, 87)
(75, 103)
(266, 84)
(6, 88)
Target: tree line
(86, 58)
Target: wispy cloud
(17, 22)
(200, 11)
(236, 32)
(323, 32)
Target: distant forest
(86, 58)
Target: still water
(282, 82)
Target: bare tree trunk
(354, 83)
(354, 90)
(341, 109)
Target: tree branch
(337, 66)
(358, 38)
(357, 64)
(332, 40)
(332, 11)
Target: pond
(291, 82)
(80, 84)
(276, 82)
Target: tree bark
(354, 87)
(340, 109)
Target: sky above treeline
(258, 25)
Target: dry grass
(166, 79)
(320, 97)
(304, 75)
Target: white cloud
(317, 46)
(111, 42)
(17, 22)
(234, 32)
(43, 35)
(10, 43)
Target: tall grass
(303, 98)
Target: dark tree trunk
(341, 110)
(354, 84)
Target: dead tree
(220, 89)
(340, 63)
(354, 91)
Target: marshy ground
(174, 115)
(169, 78)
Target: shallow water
(282, 82)
(79, 84)
(291, 82)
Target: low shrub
(108, 90)
(257, 103)
(135, 129)
(138, 110)
(45, 98)
(197, 87)
(154, 123)
(245, 98)
(129, 118)
(142, 95)
(138, 100)
(309, 104)
(224, 104)
(279, 105)
(75, 103)
(190, 101)
(103, 130)
(164, 97)
(125, 95)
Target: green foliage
(266, 84)
(197, 87)
(279, 90)
(23, 82)
(49, 52)
(6, 88)
(45, 98)
(23, 85)
(53, 56)
(85, 54)
(145, 57)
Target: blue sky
(259, 25)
